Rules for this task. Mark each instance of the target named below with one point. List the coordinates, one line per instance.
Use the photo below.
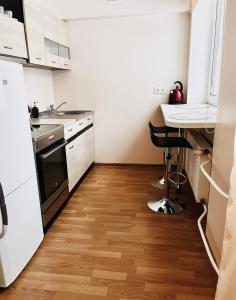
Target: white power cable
(205, 240)
(212, 182)
(221, 192)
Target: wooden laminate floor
(107, 244)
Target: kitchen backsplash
(39, 87)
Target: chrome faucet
(54, 110)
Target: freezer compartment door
(24, 231)
(16, 151)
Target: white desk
(189, 115)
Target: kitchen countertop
(189, 115)
(65, 120)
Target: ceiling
(84, 9)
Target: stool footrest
(177, 183)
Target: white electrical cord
(212, 182)
(205, 240)
(221, 192)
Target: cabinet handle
(88, 119)
(66, 65)
(53, 62)
(70, 130)
(80, 123)
(38, 58)
(72, 147)
(7, 47)
(3, 211)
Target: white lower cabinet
(80, 155)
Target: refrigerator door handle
(3, 208)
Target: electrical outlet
(159, 90)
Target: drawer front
(12, 38)
(70, 130)
(81, 124)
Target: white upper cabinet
(64, 44)
(34, 32)
(12, 38)
(50, 27)
(47, 37)
(63, 33)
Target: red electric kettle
(176, 95)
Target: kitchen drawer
(81, 124)
(70, 130)
(12, 38)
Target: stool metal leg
(166, 206)
(160, 182)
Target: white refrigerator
(21, 230)
(223, 156)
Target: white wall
(116, 63)
(39, 87)
(75, 9)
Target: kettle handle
(180, 83)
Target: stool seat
(170, 142)
(163, 129)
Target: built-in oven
(52, 172)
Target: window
(217, 49)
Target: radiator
(194, 158)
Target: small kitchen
(117, 183)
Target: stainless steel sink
(70, 112)
(65, 114)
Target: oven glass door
(52, 170)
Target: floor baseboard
(128, 165)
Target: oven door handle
(3, 209)
(46, 155)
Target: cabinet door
(50, 27)
(72, 165)
(12, 38)
(89, 145)
(63, 33)
(80, 155)
(85, 146)
(34, 32)
(52, 54)
(64, 54)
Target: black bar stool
(166, 205)
(160, 182)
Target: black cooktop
(39, 131)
